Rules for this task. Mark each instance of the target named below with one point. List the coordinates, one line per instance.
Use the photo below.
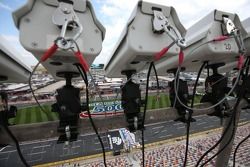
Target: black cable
(9, 131)
(231, 137)
(158, 87)
(84, 76)
(144, 113)
(232, 119)
(17, 145)
(237, 147)
(247, 64)
(156, 75)
(208, 74)
(217, 143)
(31, 89)
(81, 73)
(191, 112)
(240, 96)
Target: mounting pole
(223, 158)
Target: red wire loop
(49, 52)
(160, 54)
(220, 38)
(82, 61)
(181, 57)
(240, 62)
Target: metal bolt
(160, 17)
(63, 108)
(66, 11)
(27, 20)
(34, 44)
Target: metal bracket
(232, 30)
(65, 17)
(136, 123)
(68, 135)
(239, 41)
(229, 25)
(64, 12)
(161, 24)
(64, 43)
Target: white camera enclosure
(12, 70)
(38, 30)
(138, 42)
(246, 25)
(199, 49)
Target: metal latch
(64, 12)
(161, 24)
(229, 25)
(66, 18)
(232, 30)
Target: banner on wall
(104, 109)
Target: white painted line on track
(180, 127)
(157, 127)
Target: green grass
(163, 101)
(35, 115)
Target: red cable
(160, 54)
(78, 54)
(82, 61)
(181, 57)
(220, 38)
(240, 62)
(49, 52)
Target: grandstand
(171, 154)
(163, 95)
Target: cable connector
(161, 24)
(160, 54)
(82, 61)
(220, 38)
(240, 62)
(181, 57)
(49, 52)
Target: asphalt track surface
(45, 151)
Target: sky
(113, 14)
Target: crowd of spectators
(172, 155)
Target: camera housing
(39, 30)
(11, 67)
(201, 46)
(142, 38)
(246, 24)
